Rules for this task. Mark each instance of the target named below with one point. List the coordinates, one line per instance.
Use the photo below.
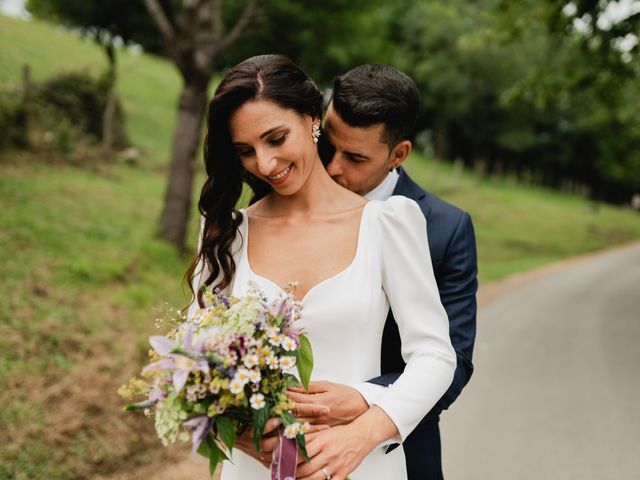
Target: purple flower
(199, 426)
(278, 307)
(181, 360)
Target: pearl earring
(315, 132)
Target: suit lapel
(408, 188)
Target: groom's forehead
(338, 129)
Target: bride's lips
(280, 177)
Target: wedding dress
(344, 316)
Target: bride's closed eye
(279, 140)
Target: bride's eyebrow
(271, 130)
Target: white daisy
(257, 401)
(272, 362)
(287, 362)
(236, 385)
(254, 376)
(289, 344)
(290, 431)
(251, 360)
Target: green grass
(148, 86)
(520, 227)
(82, 272)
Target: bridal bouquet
(224, 370)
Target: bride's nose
(267, 164)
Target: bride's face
(274, 144)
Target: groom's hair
(376, 93)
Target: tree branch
(161, 21)
(240, 25)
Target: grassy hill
(83, 275)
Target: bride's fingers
(307, 471)
(315, 429)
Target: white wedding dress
(344, 316)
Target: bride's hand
(338, 451)
(269, 441)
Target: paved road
(556, 393)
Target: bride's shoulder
(397, 206)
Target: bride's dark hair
(265, 77)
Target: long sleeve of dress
(410, 286)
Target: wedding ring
(327, 476)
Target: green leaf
(291, 381)
(205, 449)
(300, 440)
(260, 418)
(287, 418)
(139, 406)
(226, 431)
(304, 361)
(216, 456)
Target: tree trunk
(108, 123)
(441, 140)
(186, 143)
(108, 115)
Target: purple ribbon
(284, 458)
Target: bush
(62, 114)
(13, 121)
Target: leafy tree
(194, 36)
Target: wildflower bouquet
(227, 369)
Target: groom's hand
(244, 442)
(328, 403)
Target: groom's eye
(356, 158)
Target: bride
(351, 259)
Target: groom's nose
(334, 168)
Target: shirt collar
(385, 188)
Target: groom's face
(361, 159)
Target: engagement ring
(327, 476)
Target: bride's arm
(409, 282)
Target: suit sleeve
(458, 286)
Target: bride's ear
(315, 129)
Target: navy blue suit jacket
(453, 254)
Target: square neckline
(344, 271)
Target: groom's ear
(400, 153)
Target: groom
(369, 127)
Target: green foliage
(76, 97)
(103, 20)
(13, 121)
(304, 361)
(326, 38)
(260, 418)
(507, 93)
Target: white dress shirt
(385, 188)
